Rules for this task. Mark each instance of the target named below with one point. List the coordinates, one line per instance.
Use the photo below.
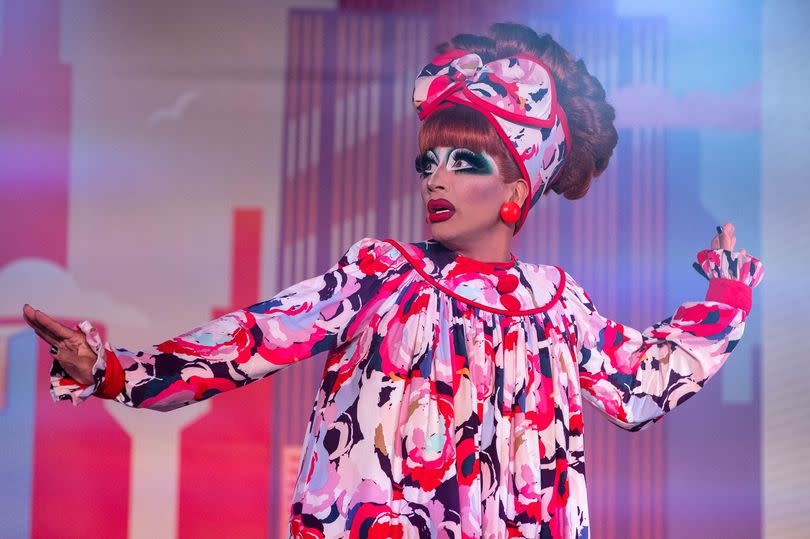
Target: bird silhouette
(174, 111)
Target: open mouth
(439, 205)
(440, 210)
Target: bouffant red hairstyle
(581, 96)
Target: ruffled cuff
(722, 263)
(63, 387)
(731, 274)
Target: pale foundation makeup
(463, 191)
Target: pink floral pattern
(442, 412)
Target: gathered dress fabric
(451, 399)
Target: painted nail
(720, 230)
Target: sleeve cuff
(730, 292)
(107, 373)
(734, 265)
(113, 383)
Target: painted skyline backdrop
(161, 164)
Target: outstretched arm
(635, 377)
(318, 314)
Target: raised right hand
(73, 353)
(725, 238)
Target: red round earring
(510, 212)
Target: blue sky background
(713, 45)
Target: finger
(30, 314)
(726, 230)
(716, 242)
(39, 328)
(47, 338)
(58, 329)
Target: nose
(437, 180)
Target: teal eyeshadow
(425, 159)
(479, 163)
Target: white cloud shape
(50, 288)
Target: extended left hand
(725, 238)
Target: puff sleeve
(635, 377)
(318, 314)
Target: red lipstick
(439, 210)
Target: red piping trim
(567, 158)
(420, 269)
(448, 57)
(524, 211)
(564, 122)
(429, 107)
(509, 115)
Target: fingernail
(719, 230)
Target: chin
(447, 235)
(436, 233)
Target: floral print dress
(451, 399)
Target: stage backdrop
(164, 163)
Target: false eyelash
(422, 162)
(419, 163)
(476, 160)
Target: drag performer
(451, 400)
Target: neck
(494, 247)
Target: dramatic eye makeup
(427, 163)
(470, 162)
(459, 160)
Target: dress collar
(513, 287)
(445, 258)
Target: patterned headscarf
(517, 96)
